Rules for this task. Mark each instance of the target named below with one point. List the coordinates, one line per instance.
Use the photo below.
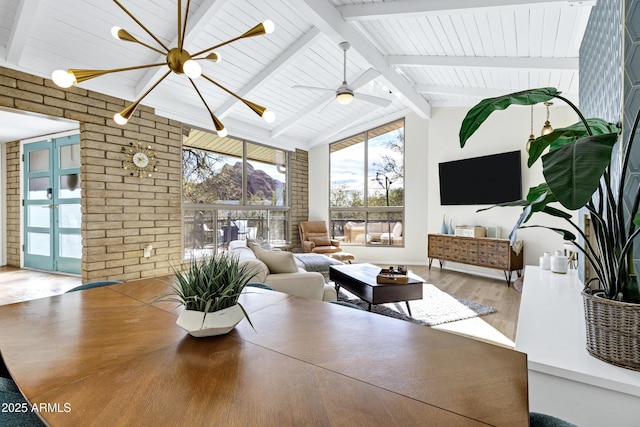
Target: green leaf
(478, 114)
(562, 136)
(573, 171)
(636, 219)
(556, 212)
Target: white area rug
(436, 307)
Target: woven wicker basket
(613, 330)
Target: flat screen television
(492, 179)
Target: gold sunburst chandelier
(178, 60)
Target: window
(232, 189)
(367, 187)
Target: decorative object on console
(494, 232)
(450, 231)
(139, 159)
(468, 231)
(559, 263)
(209, 290)
(443, 228)
(178, 60)
(583, 151)
(545, 261)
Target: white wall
(429, 142)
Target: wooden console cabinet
(483, 252)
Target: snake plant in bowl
(578, 174)
(209, 288)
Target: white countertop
(551, 330)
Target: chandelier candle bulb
(269, 116)
(63, 78)
(269, 26)
(192, 69)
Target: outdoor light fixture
(547, 129)
(178, 60)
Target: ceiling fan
(345, 93)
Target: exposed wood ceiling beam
(483, 61)
(282, 61)
(462, 91)
(405, 8)
(475, 92)
(363, 79)
(326, 17)
(200, 18)
(21, 29)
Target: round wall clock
(139, 159)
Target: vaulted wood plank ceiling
(416, 53)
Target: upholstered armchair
(315, 238)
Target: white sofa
(299, 283)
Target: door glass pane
(38, 188)
(70, 156)
(39, 160)
(70, 246)
(70, 186)
(70, 215)
(39, 244)
(39, 216)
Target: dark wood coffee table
(360, 279)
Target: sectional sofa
(281, 271)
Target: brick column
(299, 190)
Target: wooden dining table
(112, 356)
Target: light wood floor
(21, 285)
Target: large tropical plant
(577, 174)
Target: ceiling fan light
(192, 69)
(269, 116)
(344, 98)
(63, 78)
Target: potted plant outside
(578, 174)
(209, 288)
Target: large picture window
(232, 189)
(367, 187)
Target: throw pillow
(235, 244)
(277, 261)
(320, 241)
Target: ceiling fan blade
(313, 88)
(372, 99)
(365, 78)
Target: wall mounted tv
(492, 179)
